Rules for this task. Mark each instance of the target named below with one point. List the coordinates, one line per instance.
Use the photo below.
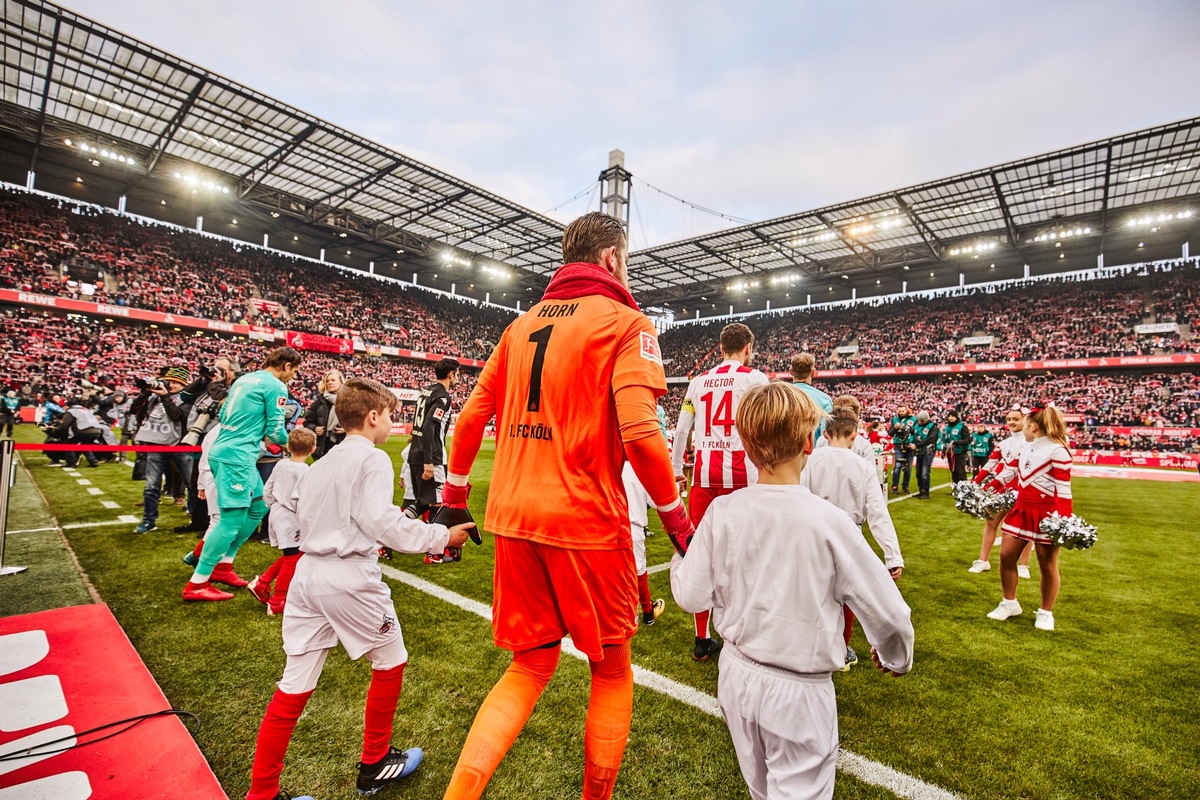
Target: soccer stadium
(176, 246)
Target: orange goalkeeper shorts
(542, 594)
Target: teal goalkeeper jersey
(253, 410)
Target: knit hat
(179, 375)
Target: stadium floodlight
(970, 249)
(197, 183)
(1059, 234)
(96, 153)
(1154, 220)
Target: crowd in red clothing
(57, 247)
(1038, 320)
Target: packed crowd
(1044, 319)
(1089, 402)
(56, 247)
(50, 355)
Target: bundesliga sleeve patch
(438, 413)
(281, 402)
(650, 350)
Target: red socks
(644, 592)
(281, 572)
(849, 624)
(273, 736)
(500, 719)
(610, 711)
(702, 624)
(382, 697)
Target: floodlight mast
(615, 186)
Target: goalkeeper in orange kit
(572, 386)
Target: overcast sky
(753, 109)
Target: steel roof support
(1009, 225)
(41, 128)
(930, 238)
(272, 162)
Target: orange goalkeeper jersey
(551, 381)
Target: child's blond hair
(775, 421)
(358, 397)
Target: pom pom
(1071, 532)
(973, 499)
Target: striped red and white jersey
(710, 406)
(1042, 474)
(1004, 454)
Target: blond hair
(776, 420)
(848, 401)
(843, 423)
(587, 237)
(1050, 422)
(358, 397)
(323, 385)
(301, 441)
(803, 365)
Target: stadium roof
(1009, 210)
(157, 124)
(66, 76)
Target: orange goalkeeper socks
(500, 720)
(610, 711)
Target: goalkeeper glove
(454, 510)
(678, 527)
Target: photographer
(956, 438)
(209, 390)
(903, 449)
(76, 425)
(925, 445)
(321, 418)
(165, 412)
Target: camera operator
(9, 407)
(903, 449)
(209, 389)
(956, 438)
(76, 425)
(161, 423)
(925, 445)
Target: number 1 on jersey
(542, 338)
(721, 416)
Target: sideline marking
(94, 490)
(83, 481)
(663, 567)
(863, 768)
(32, 530)
(110, 504)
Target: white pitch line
(124, 520)
(667, 565)
(83, 481)
(32, 530)
(110, 504)
(863, 768)
(94, 490)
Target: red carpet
(66, 671)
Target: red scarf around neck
(581, 279)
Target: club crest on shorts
(388, 624)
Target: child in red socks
(639, 503)
(281, 493)
(346, 512)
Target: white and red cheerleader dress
(1042, 477)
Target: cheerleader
(1043, 483)
(1003, 455)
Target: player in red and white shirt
(721, 465)
(1004, 456)
(1043, 483)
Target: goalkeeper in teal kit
(252, 413)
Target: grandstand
(153, 213)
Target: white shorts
(333, 600)
(639, 547)
(783, 725)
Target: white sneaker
(1043, 620)
(1022, 571)
(979, 566)
(1006, 609)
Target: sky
(752, 109)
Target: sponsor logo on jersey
(237, 487)
(650, 350)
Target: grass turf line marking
(663, 567)
(110, 504)
(83, 481)
(94, 490)
(863, 768)
(32, 530)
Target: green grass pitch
(1103, 707)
